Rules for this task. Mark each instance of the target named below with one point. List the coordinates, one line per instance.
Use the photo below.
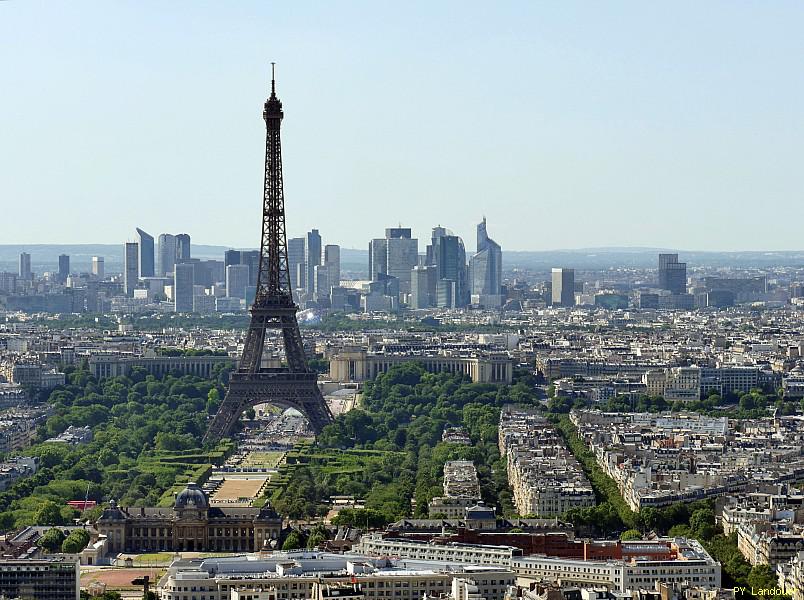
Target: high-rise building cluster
(398, 274)
(159, 272)
(438, 278)
(167, 270)
(314, 269)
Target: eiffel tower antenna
(294, 385)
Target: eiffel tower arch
(295, 385)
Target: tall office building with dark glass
(312, 258)
(64, 267)
(563, 293)
(672, 274)
(146, 258)
(183, 246)
(332, 263)
(25, 266)
(396, 254)
(166, 254)
(402, 254)
(183, 286)
(448, 255)
(131, 268)
(485, 270)
(298, 272)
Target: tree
(213, 401)
(630, 535)
(51, 540)
(702, 523)
(173, 441)
(51, 455)
(294, 541)
(75, 542)
(360, 517)
(318, 535)
(49, 513)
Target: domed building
(192, 525)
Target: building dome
(191, 497)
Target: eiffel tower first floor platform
(279, 387)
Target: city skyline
(600, 117)
(387, 397)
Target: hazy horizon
(569, 126)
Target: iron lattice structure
(293, 386)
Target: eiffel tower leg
(226, 418)
(314, 407)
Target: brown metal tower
(293, 386)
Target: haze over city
(567, 125)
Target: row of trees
(56, 540)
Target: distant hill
(646, 258)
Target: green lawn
(264, 460)
(142, 560)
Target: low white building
(374, 544)
(690, 563)
(298, 575)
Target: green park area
(146, 444)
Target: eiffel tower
(292, 386)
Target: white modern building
(299, 575)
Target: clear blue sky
(567, 124)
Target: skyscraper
(447, 253)
(395, 255)
(563, 287)
(672, 274)
(130, 267)
(296, 262)
(378, 258)
(251, 258)
(166, 254)
(312, 257)
(25, 266)
(146, 259)
(402, 255)
(183, 282)
(430, 251)
(64, 267)
(231, 257)
(423, 287)
(182, 246)
(237, 281)
(97, 267)
(446, 293)
(332, 262)
(322, 286)
(485, 270)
